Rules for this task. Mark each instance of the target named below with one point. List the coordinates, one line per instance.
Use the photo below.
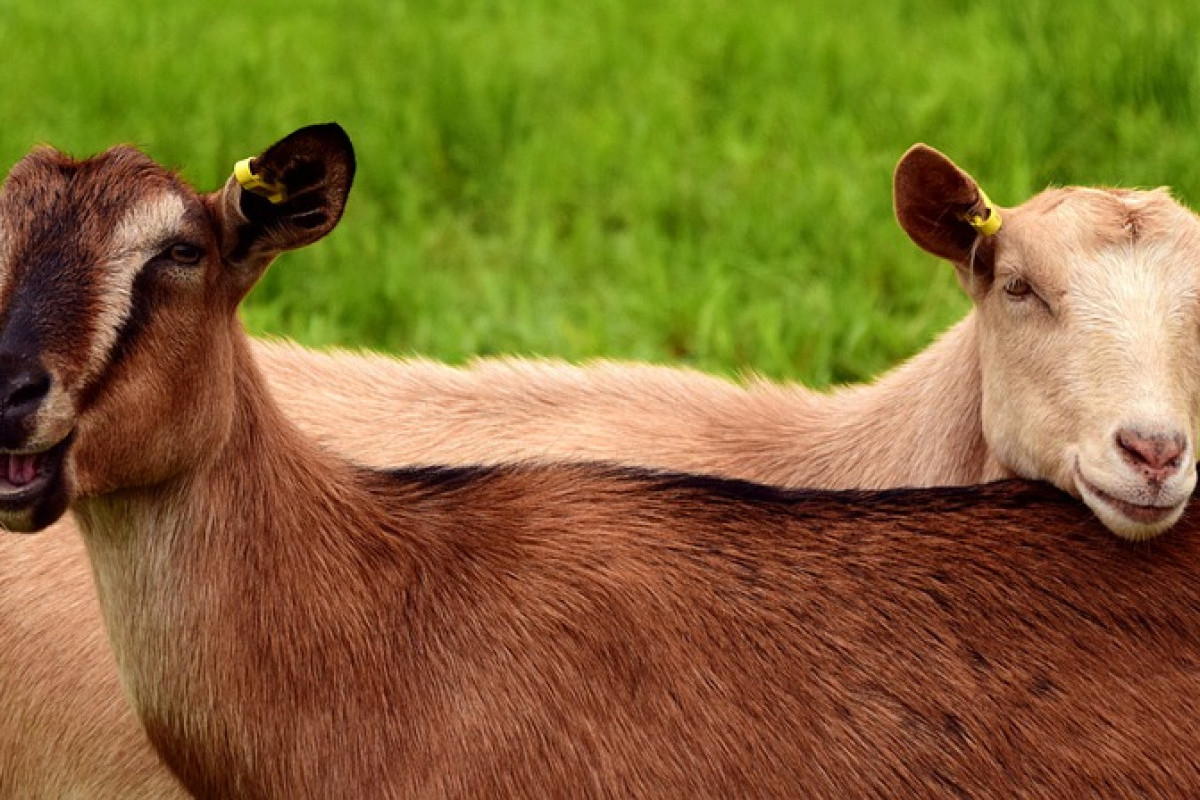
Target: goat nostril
(1158, 452)
(25, 391)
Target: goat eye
(1018, 289)
(182, 253)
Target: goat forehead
(1151, 284)
(1107, 244)
(71, 217)
(1094, 219)
(49, 197)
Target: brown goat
(291, 625)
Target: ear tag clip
(275, 192)
(988, 222)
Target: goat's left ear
(289, 196)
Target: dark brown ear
(289, 196)
(936, 203)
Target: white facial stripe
(136, 238)
(148, 223)
(5, 255)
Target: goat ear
(290, 195)
(944, 211)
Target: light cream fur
(918, 426)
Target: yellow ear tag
(987, 223)
(275, 192)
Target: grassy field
(696, 182)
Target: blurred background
(698, 182)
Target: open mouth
(1144, 514)
(25, 477)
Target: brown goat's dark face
(118, 290)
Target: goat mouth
(26, 476)
(1143, 514)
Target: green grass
(699, 182)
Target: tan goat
(291, 625)
(1077, 366)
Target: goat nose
(22, 389)
(1155, 455)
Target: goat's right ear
(290, 195)
(943, 209)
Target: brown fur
(576, 631)
(417, 412)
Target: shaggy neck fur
(918, 425)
